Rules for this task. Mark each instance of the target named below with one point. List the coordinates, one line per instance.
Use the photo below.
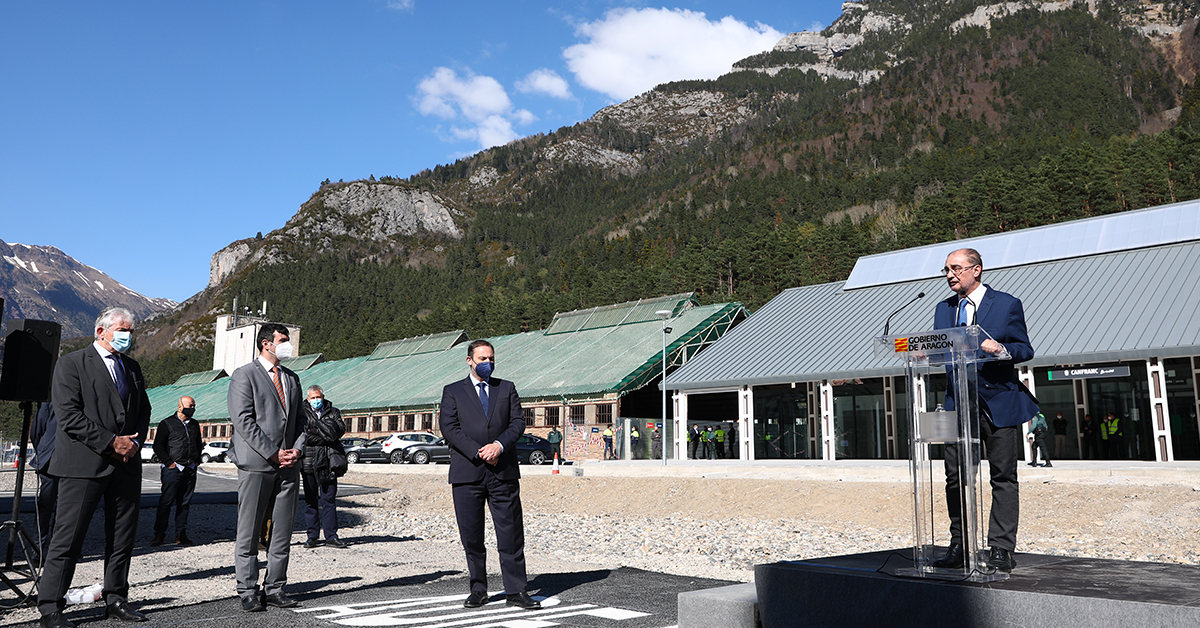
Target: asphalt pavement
(620, 598)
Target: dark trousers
(78, 497)
(695, 444)
(178, 485)
(1091, 451)
(319, 509)
(503, 499)
(1039, 442)
(46, 500)
(1003, 447)
(1116, 447)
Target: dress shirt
(111, 365)
(973, 301)
(282, 380)
(475, 382)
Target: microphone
(887, 325)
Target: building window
(409, 419)
(377, 424)
(362, 423)
(393, 423)
(552, 416)
(427, 421)
(577, 415)
(604, 414)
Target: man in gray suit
(103, 416)
(268, 438)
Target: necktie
(963, 318)
(483, 397)
(120, 379)
(278, 387)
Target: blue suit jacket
(466, 429)
(1000, 392)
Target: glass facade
(783, 422)
(859, 419)
(1181, 401)
(1056, 396)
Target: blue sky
(142, 137)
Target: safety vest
(634, 434)
(1113, 427)
(720, 436)
(608, 433)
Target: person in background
(1089, 437)
(635, 437)
(323, 463)
(1037, 437)
(41, 434)
(555, 439)
(1060, 436)
(694, 439)
(607, 435)
(719, 439)
(178, 445)
(731, 438)
(1112, 432)
(656, 447)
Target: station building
(587, 370)
(1111, 304)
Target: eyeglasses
(957, 269)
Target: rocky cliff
(338, 215)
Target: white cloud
(631, 50)
(480, 101)
(544, 81)
(401, 5)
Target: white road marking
(446, 611)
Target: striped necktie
(278, 386)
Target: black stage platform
(1042, 592)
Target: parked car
(424, 453)
(353, 441)
(214, 451)
(370, 451)
(147, 452)
(534, 449)
(400, 439)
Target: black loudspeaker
(30, 351)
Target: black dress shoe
(157, 540)
(523, 600)
(1047, 465)
(123, 611)
(476, 599)
(1001, 560)
(311, 543)
(280, 600)
(55, 620)
(336, 542)
(183, 539)
(253, 604)
(953, 558)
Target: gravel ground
(694, 526)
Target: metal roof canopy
(627, 313)
(431, 343)
(303, 362)
(1156, 226)
(200, 378)
(1127, 305)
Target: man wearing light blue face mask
(103, 416)
(323, 463)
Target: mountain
(906, 122)
(44, 283)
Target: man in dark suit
(1004, 404)
(42, 433)
(178, 445)
(268, 436)
(481, 419)
(103, 417)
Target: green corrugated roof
(200, 378)
(619, 314)
(302, 362)
(415, 346)
(592, 362)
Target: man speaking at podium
(1004, 404)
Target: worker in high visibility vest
(609, 454)
(720, 438)
(1111, 431)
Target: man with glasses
(1003, 402)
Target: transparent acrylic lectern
(955, 353)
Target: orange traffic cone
(555, 471)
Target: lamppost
(664, 315)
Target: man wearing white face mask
(103, 416)
(268, 438)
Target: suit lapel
(982, 309)
(478, 405)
